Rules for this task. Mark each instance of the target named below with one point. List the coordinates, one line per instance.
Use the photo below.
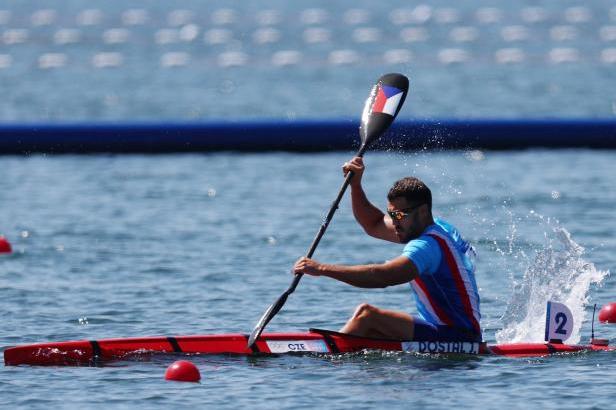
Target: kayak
(316, 341)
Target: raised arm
(371, 218)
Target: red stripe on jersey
(457, 277)
(443, 317)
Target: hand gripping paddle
(380, 110)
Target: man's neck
(428, 223)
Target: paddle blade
(382, 106)
(265, 319)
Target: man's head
(410, 207)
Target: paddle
(382, 106)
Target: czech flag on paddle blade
(387, 100)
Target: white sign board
(286, 346)
(558, 322)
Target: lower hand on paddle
(307, 266)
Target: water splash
(558, 273)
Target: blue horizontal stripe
(302, 136)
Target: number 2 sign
(558, 322)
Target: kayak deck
(85, 352)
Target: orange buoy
(607, 314)
(5, 246)
(183, 371)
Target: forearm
(394, 272)
(361, 276)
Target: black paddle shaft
(275, 308)
(381, 107)
(328, 219)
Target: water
(558, 273)
(111, 246)
(193, 59)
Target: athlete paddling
(436, 261)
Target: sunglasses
(402, 213)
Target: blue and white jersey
(445, 290)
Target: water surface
(113, 246)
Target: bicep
(384, 229)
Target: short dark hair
(413, 190)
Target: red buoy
(5, 246)
(183, 371)
(607, 314)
